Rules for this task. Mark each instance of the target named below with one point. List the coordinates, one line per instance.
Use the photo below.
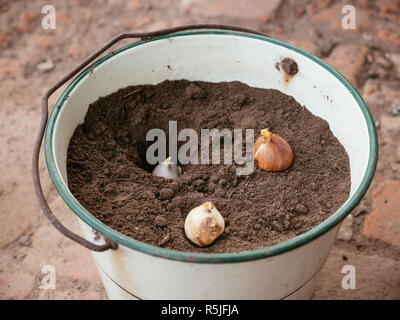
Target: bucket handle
(109, 244)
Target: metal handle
(45, 112)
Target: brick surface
(383, 223)
(333, 16)
(15, 286)
(389, 33)
(376, 277)
(19, 206)
(15, 215)
(44, 41)
(348, 59)
(5, 40)
(260, 10)
(391, 93)
(372, 92)
(381, 93)
(10, 68)
(395, 57)
(389, 9)
(398, 152)
(390, 123)
(307, 45)
(71, 261)
(67, 289)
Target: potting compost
(109, 175)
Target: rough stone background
(32, 59)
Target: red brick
(43, 41)
(391, 94)
(135, 4)
(71, 260)
(389, 9)
(389, 34)
(5, 40)
(390, 123)
(314, 7)
(19, 211)
(376, 91)
(15, 286)
(28, 17)
(348, 59)
(380, 165)
(372, 92)
(10, 68)
(377, 277)
(384, 221)
(63, 17)
(26, 20)
(395, 57)
(398, 151)
(67, 289)
(309, 46)
(333, 17)
(259, 10)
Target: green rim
(223, 257)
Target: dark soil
(109, 175)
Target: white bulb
(204, 224)
(167, 170)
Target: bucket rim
(265, 252)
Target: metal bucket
(134, 270)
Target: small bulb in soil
(167, 169)
(272, 152)
(204, 224)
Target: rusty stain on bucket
(289, 67)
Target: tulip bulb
(272, 152)
(167, 169)
(204, 224)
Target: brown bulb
(272, 152)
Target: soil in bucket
(109, 175)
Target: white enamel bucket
(285, 271)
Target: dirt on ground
(33, 58)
